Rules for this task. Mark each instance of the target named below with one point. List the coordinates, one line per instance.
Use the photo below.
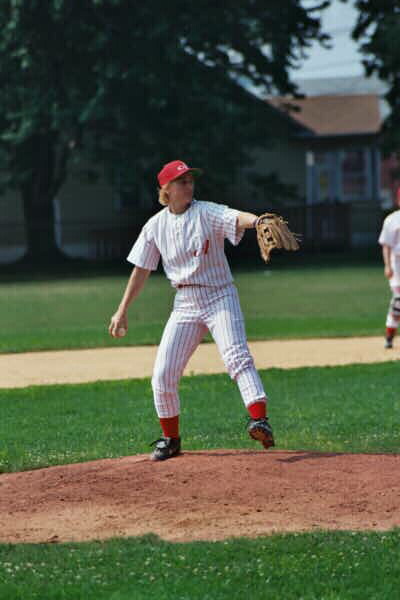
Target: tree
(378, 32)
(130, 85)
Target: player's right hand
(388, 272)
(118, 323)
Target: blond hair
(163, 194)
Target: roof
(332, 115)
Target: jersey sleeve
(387, 235)
(144, 252)
(223, 221)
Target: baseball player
(390, 242)
(189, 235)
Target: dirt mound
(201, 495)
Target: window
(354, 174)
(325, 176)
(322, 160)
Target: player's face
(180, 191)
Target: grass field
(338, 299)
(351, 408)
(315, 566)
(333, 409)
(330, 409)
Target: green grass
(351, 408)
(314, 566)
(331, 409)
(341, 299)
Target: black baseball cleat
(165, 448)
(389, 342)
(261, 430)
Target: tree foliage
(378, 32)
(130, 85)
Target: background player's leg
(393, 316)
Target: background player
(189, 237)
(390, 242)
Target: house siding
(287, 160)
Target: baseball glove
(273, 232)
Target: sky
(343, 59)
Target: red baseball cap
(175, 169)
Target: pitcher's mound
(201, 496)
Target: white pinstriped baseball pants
(392, 318)
(198, 309)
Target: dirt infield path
(76, 366)
(201, 496)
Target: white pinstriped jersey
(390, 233)
(190, 244)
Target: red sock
(257, 410)
(390, 332)
(170, 426)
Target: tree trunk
(48, 161)
(40, 228)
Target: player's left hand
(273, 232)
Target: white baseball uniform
(390, 236)
(191, 246)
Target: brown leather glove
(273, 232)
